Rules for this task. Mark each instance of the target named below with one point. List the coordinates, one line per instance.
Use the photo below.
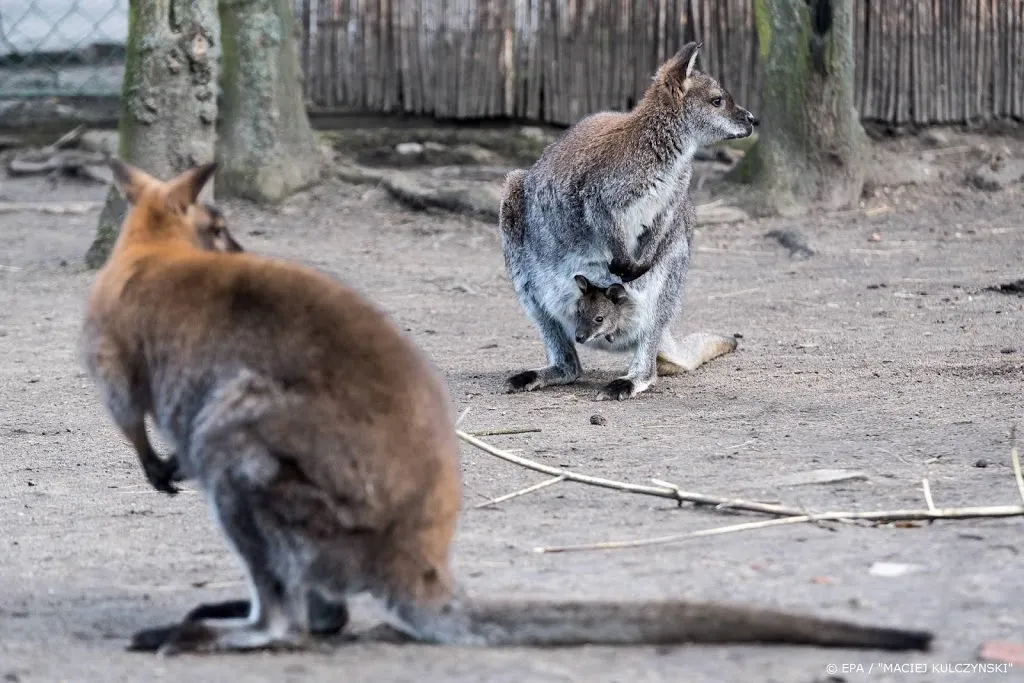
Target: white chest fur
(665, 187)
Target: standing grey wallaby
(324, 442)
(610, 200)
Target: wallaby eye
(599, 319)
(716, 102)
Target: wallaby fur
(324, 443)
(610, 200)
(600, 311)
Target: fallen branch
(787, 515)
(1015, 459)
(506, 432)
(618, 545)
(521, 492)
(882, 516)
(669, 491)
(928, 494)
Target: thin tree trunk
(168, 99)
(812, 146)
(265, 146)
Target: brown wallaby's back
(324, 443)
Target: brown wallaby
(324, 443)
(600, 311)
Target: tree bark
(811, 149)
(266, 147)
(168, 99)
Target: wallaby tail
(693, 351)
(657, 623)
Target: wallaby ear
(183, 190)
(130, 180)
(617, 294)
(583, 283)
(680, 67)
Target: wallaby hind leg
(564, 365)
(278, 613)
(692, 351)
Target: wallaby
(324, 443)
(600, 311)
(610, 199)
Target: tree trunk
(168, 99)
(266, 147)
(811, 147)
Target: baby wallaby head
(705, 108)
(600, 311)
(161, 211)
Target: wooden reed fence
(554, 61)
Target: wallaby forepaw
(163, 473)
(627, 272)
(618, 390)
(524, 381)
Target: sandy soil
(886, 357)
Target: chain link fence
(62, 48)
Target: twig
(462, 416)
(521, 492)
(503, 432)
(671, 492)
(617, 545)
(728, 295)
(65, 140)
(1015, 459)
(928, 495)
(13, 269)
(876, 516)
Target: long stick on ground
(520, 492)
(1015, 459)
(672, 493)
(877, 516)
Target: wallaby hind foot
(693, 351)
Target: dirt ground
(885, 357)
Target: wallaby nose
(580, 338)
(753, 119)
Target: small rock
(409, 148)
(981, 462)
(875, 237)
(794, 241)
(997, 174)
(598, 420)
